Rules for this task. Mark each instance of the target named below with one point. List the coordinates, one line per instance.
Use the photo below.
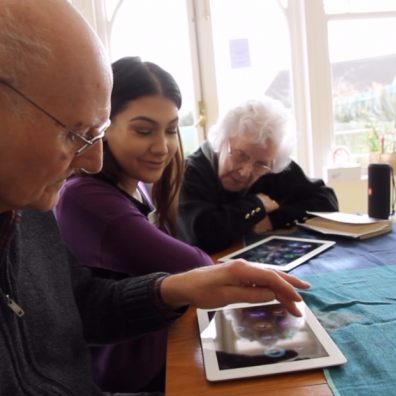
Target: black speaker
(379, 190)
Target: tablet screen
(268, 334)
(258, 339)
(283, 253)
(279, 251)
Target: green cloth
(358, 309)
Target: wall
(351, 194)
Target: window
(362, 53)
(333, 62)
(251, 51)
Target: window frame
(310, 70)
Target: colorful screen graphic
(278, 251)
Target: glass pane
(157, 31)
(252, 51)
(345, 6)
(110, 6)
(363, 61)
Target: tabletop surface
(185, 370)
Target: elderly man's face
(242, 162)
(39, 154)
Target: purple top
(108, 231)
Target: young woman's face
(143, 138)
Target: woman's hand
(262, 226)
(269, 204)
(232, 282)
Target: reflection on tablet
(247, 340)
(260, 335)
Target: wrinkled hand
(232, 282)
(262, 226)
(269, 204)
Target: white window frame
(310, 64)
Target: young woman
(115, 227)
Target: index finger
(279, 282)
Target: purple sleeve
(138, 247)
(104, 229)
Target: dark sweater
(45, 352)
(213, 218)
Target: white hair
(260, 121)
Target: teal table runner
(358, 309)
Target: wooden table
(185, 374)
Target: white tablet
(283, 253)
(248, 340)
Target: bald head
(49, 46)
(55, 68)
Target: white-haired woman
(242, 180)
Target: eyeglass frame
(263, 169)
(88, 142)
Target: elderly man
(55, 85)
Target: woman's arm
(138, 247)
(295, 193)
(212, 218)
(104, 229)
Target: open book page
(348, 225)
(349, 218)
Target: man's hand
(232, 282)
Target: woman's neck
(131, 188)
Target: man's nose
(90, 160)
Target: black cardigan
(212, 218)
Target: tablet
(283, 253)
(248, 340)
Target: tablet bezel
(213, 373)
(322, 245)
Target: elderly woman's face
(242, 162)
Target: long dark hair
(134, 79)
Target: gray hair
(262, 122)
(23, 49)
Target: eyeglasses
(79, 142)
(239, 157)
